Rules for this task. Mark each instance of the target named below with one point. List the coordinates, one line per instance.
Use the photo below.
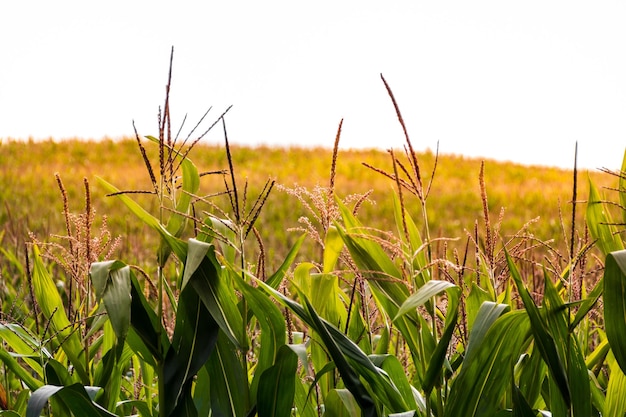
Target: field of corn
(161, 277)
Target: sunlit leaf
(479, 388)
(600, 223)
(615, 404)
(542, 337)
(615, 304)
(77, 398)
(203, 273)
(111, 282)
(195, 335)
(341, 403)
(277, 385)
(53, 309)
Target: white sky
(518, 81)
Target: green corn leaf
(487, 371)
(341, 403)
(77, 398)
(488, 313)
(345, 350)
(111, 282)
(109, 372)
(57, 374)
(177, 246)
(597, 394)
(392, 366)
(474, 301)
(52, 307)
(24, 344)
(273, 328)
(368, 254)
(521, 408)
(333, 245)
(204, 274)
(228, 386)
(304, 403)
(532, 373)
(278, 276)
(615, 403)
(23, 374)
(324, 293)
(185, 407)
(436, 363)
(348, 374)
(277, 385)
(542, 337)
(222, 232)
(146, 328)
(195, 336)
(568, 347)
(423, 295)
(600, 223)
(141, 406)
(415, 243)
(615, 304)
(587, 304)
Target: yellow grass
(31, 200)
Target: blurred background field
(31, 201)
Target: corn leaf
(568, 347)
(333, 244)
(273, 329)
(474, 301)
(25, 345)
(277, 277)
(436, 362)
(146, 328)
(343, 349)
(14, 366)
(341, 403)
(277, 385)
(487, 314)
(195, 335)
(228, 383)
(392, 366)
(177, 246)
(531, 376)
(111, 282)
(77, 398)
(348, 374)
(587, 304)
(415, 244)
(615, 403)
(204, 274)
(479, 387)
(600, 223)
(544, 340)
(222, 232)
(423, 295)
(52, 307)
(521, 408)
(615, 304)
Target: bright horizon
(489, 79)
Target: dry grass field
(31, 199)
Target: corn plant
(608, 234)
(381, 324)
